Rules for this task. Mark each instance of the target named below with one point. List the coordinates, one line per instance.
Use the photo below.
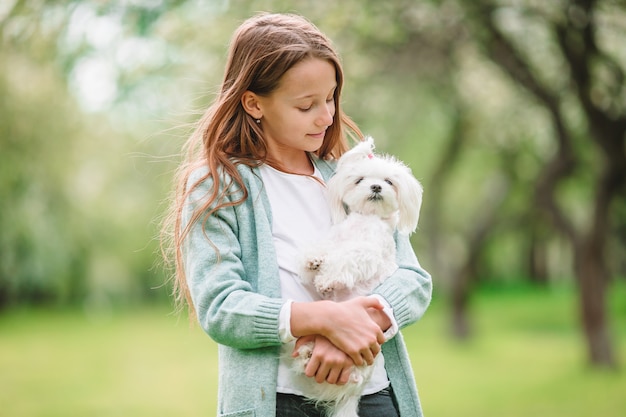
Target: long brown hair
(262, 49)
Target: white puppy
(371, 197)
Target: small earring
(258, 121)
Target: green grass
(527, 359)
(136, 363)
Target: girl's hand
(328, 363)
(354, 331)
(380, 317)
(347, 325)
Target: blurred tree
(592, 79)
(39, 242)
(77, 194)
(565, 59)
(509, 112)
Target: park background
(511, 113)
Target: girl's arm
(226, 299)
(347, 325)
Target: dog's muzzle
(375, 196)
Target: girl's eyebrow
(305, 96)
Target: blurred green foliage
(78, 198)
(96, 99)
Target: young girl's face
(296, 115)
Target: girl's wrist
(310, 318)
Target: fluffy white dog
(371, 197)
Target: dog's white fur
(371, 197)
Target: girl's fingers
(345, 376)
(368, 356)
(372, 302)
(328, 363)
(333, 376)
(323, 372)
(312, 367)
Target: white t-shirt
(301, 216)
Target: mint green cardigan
(237, 299)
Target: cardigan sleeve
(224, 291)
(409, 289)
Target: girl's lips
(318, 135)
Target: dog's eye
(388, 181)
(358, 181)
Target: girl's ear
(250, 103)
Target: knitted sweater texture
(237, 297)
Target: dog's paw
(305, 352)
(356, 378)
(328, 288)
(314, 264)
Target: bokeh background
(512, 113)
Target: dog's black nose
(376, 188)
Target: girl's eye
(305, 109)
(388, 181)
(358, 181)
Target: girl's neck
(300, 165)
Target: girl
(249, 196)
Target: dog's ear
(409, 200)
(362, 150)
(336, 188)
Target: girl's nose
(326, 118)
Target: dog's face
(381, 186)
(369, 187)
